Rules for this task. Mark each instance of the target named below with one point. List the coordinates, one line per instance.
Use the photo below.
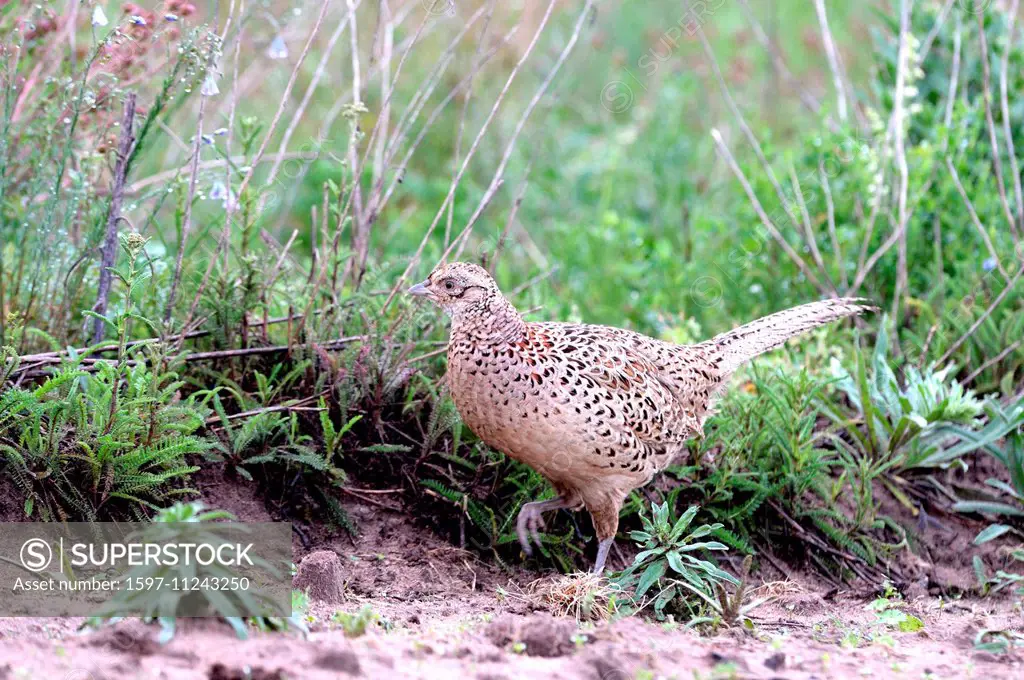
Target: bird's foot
(529, 523)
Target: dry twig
(109, 252)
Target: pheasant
(596, 410)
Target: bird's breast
(505, 405)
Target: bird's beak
(421, 289)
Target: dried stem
(1010, 285)
(497, 179)
(898, 127)
(833, 60)
(469, 156)
(747, 132)
(974, 218)
(360, 226)
(435, 114)
(1018, 226)
(724, 152)
(186, 222)
(109, 252)
(462, 117)
(954, 75)
(997, 163)
(809, 229)
(833, 235)
(994, 360)
(926, 46)
(284, 99)
(508, 224)
(306, 97)
(778, 63)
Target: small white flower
(220, 132)
(755, 288)
(278, 49)
(210, 88)
(220, 192)
(170, 17)
(99, 17)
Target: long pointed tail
(746, 342)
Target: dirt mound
(321, 577)
(127, 637)
(540, 634)
(221, 672)
(341, 660)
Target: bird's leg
(531, 519)
(605, 514)
(603, 547)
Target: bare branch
(109, 253)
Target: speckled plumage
(597, 410)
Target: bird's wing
(627, 388)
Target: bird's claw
(528, 526)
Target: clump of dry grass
(582, 595)
(777, 590)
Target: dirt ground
(444, 613)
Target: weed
(191, 523)
(1010, 502)
(996, 641)
(669, 565)
(889, 611)
(355, 625)
(910, 427)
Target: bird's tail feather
(748, 341)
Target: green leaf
(682, 522)
(990, 532)
(911, 624)
(675, 562)
(651, 575)
(989, 507)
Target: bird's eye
(449, 285)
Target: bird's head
(457, 287)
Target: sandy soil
(443, 613)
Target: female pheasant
(596, 410)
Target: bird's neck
(493, 321)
